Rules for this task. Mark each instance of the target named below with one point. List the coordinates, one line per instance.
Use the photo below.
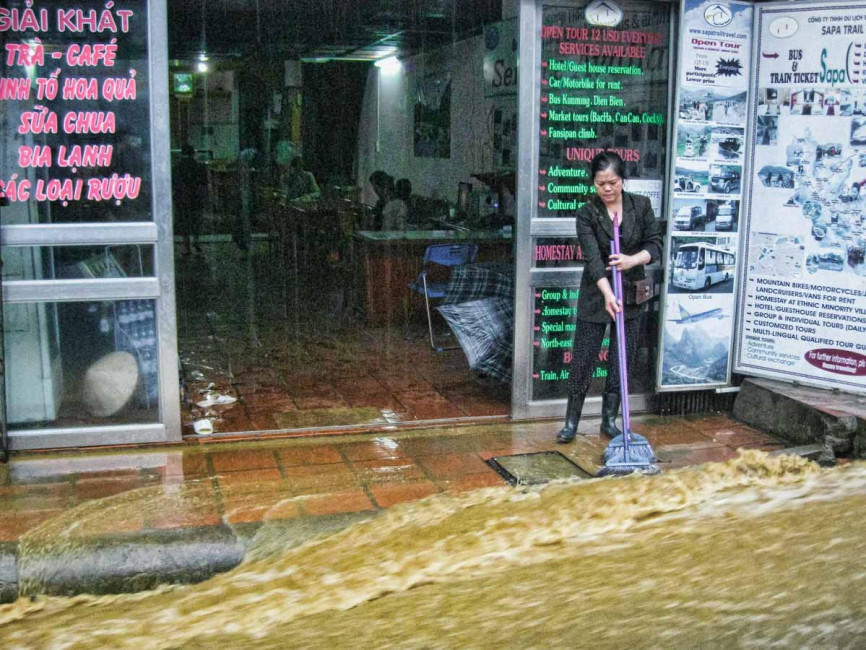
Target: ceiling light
(389, 64)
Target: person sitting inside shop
(189, 190)
(300, 184)
(383, 187)
(396, 211)
(641, 244)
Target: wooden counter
(391, 259)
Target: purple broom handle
(620, 338)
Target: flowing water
(756, 552)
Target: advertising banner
(803, 300)
(75, 110)
(604, 85)
(703, 215)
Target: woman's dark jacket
(639, 231)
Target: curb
(119, 564)
(8, 572)
(801, 416)
(132, 562)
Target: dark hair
(605, 160)
(404, 189)
(378, 177)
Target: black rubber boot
(572, 418)
(609, 410)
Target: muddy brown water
(760, 551)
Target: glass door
(580, 94)
(331, 170)
(88, 291)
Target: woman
(383, 187)
(640, 244)
(189, 189)
(396, 211)
(300, 184)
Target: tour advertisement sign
(704, 215)
(553, 328)
(604, 85)
(75, 112)
(604, 69)
(803, 302)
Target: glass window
(74, 364)
(77, 262)
(687, 259)
(75, 129)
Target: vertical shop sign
(74, 95)
(603, 86)
(803, 300)
(707, 185)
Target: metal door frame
(157, 233)
(529, 120)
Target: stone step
(804, 415)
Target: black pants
(587, 344)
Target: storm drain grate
(536, 468)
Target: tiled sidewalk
(249, 482)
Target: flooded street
(759, 550)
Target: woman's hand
(625, 262)
(622, 261)
(612, 305)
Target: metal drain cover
(536, 468)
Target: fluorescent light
(202, 66)
(389, 64)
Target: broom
(627, 452)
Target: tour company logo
(718, 15)
(603, 13)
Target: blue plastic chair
(446, 255)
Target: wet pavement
(212, 484)
(292, 349)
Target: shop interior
(320, 151)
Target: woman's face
(609, 186)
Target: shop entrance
(318, 159)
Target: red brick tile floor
(262, 480)
(293, 348)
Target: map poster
(802, 308)
(704, 214)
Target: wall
(386, 139)
(220, 90)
